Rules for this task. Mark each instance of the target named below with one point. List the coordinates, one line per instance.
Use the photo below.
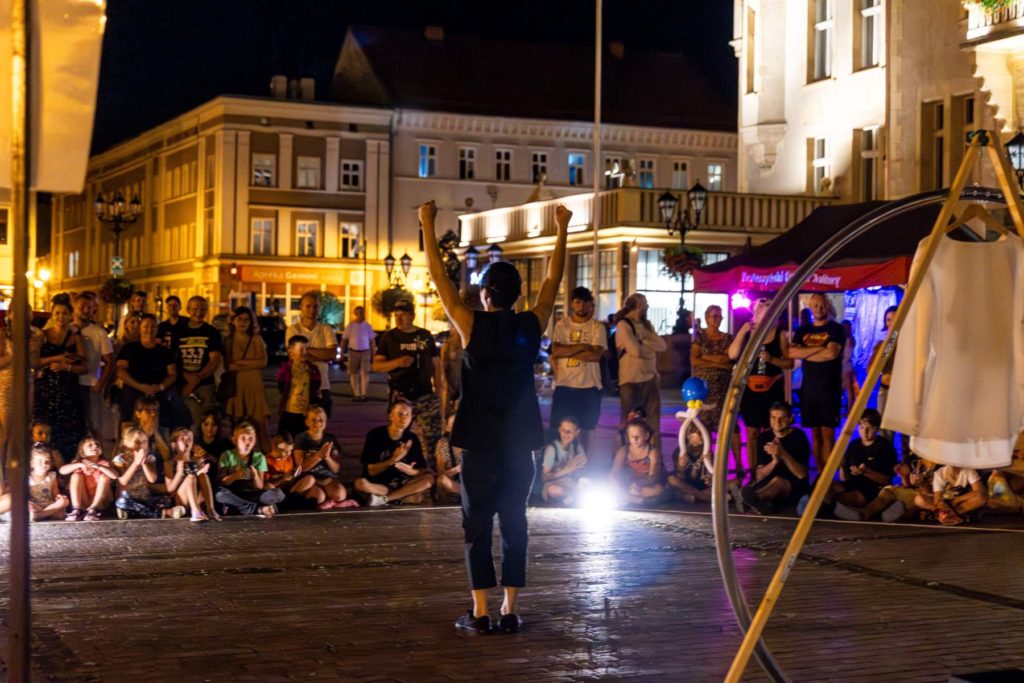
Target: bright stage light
(599, 498)
(740, 300)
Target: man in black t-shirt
(410, 357)
(171, 329)
(820, 348)
(781, 476)
(199, 354)
(867, 467)
(393, 464)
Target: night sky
(163, 57)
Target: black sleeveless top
(774, 348)
(499, 402)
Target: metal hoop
(745, 363)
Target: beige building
(244, 199)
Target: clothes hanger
(977, 211)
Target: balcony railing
(638, 208)
(984, 25)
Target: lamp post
(471, 256)
(389, 268)
(494, 253)
(1015, 151)
(118, 216)
(681, 218)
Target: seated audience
(147, 418)
(241, 471)
(92, 481)
(45, 501)
(867, 467)
(637, 467)
(562, 466)
(320, 456)
(897, 502)
(958, 495)
(690, 480)
(182, 472)
(41, 433)
(448, 462)
(393, 465)
(298, 380)
(137, 473)
(781, 477)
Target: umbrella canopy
(880, 257)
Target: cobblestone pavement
(371, 596)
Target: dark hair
(61, 299)
(581, 294)
(254, 326)
(140, 293)
(783, 406)
(285, 437)
(148, 316)
(891, 309)
(175, 297)
(210, 412)
(502, 282)
(637, 422)
(144, 402)
(85, 295)
(400, 402)
(570, 419)
(872, 417)
(297, 339)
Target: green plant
(332, 311)
(116, 290)
(384, 300)
(678, 261)
(989, 5)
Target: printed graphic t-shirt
(195, 346)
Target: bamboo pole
(803, 528)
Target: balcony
(633, 207)
(988, 26)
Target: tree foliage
(384, 300)
(332, 310)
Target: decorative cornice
(572, 132)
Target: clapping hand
(405, 468)
(402, 450)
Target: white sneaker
(846, 512)
(377, 501)
(894, 512)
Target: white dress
(958, 379)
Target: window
(969, 110)
(716, 177)
(263, 236)
(351, 176)
(502, 164)
(263, 170)
(585, 270)
(306, 233)
(350, 240)
(869, 144)
(428, 161)
(307, 173)
(538, 166)
(467, 163)
(73, 263)
(679, 179)
(750, 56)
(645, 177)
(820, 172)
(613, 172)
(576, 163)
(933, 145)
(211, 170)
(822, 24)
(662, 291)
(870, 33)
(3, 226)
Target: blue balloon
(695, 389)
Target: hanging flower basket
(678, 261)
(116, 290)
(989, 5)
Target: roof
(464, 74)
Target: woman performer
(498, 422)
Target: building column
(240, 237)
(332, 235)
(285, 233)
(223, 210)
(284, 161)
(377, 198)
(200, 236)
(332, 164)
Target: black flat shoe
(509, 623)
(473, 625)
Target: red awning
(840, 278)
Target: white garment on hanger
(958, 379)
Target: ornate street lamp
(406, 263)
(471, 255)
(494, 253)
(681, 218)
(1015, 151)
(117, 215)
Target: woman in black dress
(61, 361)
(498, 422)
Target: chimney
(435, 33)
(279, 86)
(617, 49)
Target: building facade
(245, 200)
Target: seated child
(896, 502)
(137, 473)
(182, 472)
(637, 466)
(781, 477)
(319, 456)
(958, 495)
(563, 463)
(867, 467)
(41, 433)
(92, 481)
(298, 380)
(45, 501)
(241, 471)
(393, 465)
(448, 461)
(691, 480)
(284, 472)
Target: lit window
(351, 177)
(467, 163)
(870, 33)
(262, 236)
(538, 166)
(263, 170)
(820, 167)
(307, 173)
(428, 161)
(662, 290)
(645, 177)
(823, 27)
(502, 164)
(679, 175)
(73, 263)
(306, 238)
(613, 172)
(350, 240)
(716, 177)
(3, 226)
(576, 163)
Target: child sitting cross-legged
(562, 467)
(182, 474)
(637, 467)
(45, 501)
(241, 472)
(320, 457)
(137, 473)
(867, 468)
(92, 481)
(448, 461)
(691, 480)
(958, 495)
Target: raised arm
(457, 311)
(545, 303)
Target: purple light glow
(740, 300)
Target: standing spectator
(357, 341)
(781, 477)
(820, 348)
(298, 382)
(766, 385)
(61, 360)
(638, 346)
(393, 464)
(129, 330)
(171, 329)
(99, 364)
(709, 359)
(409, 355)
(886, 378)
(199, 352)
(245, 357)
(322, 344)
(137, 304)
(849, 373)
(577, 346)
(145, 368)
